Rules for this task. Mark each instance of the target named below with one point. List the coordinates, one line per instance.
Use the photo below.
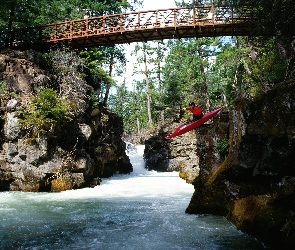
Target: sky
(147, 5)
(157, 4)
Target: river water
(144, 210)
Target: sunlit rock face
(86, 148)
(177, 154)
(254, 186)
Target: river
(144, 210)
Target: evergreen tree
(186, 71)
(19, 14)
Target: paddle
(160, 108)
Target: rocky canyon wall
(87, 147)
(251, 183)
(254, 186)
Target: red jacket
(197, 111)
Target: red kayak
(194, 124)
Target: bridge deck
(143, 26)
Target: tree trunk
(147, 86)
(138, 125)
(9, 38)
(205, 86)
(160, 84)
(108, 86)
(290, 67)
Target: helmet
(191, 104)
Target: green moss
(222, 147)
(59, 184)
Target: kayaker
(197, 111)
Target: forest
(164, 76)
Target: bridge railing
(128, 22)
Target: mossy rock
(60, 184)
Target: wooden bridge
(143, 26)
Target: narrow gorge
(252, 183)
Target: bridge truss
(143, 26)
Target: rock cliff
(87, 147)
(178, 154)
(254, 186)
(252, 182)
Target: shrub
(3, 88)
(94, 102)
(46, 112)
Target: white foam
(140, 182)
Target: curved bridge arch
(143, 26)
